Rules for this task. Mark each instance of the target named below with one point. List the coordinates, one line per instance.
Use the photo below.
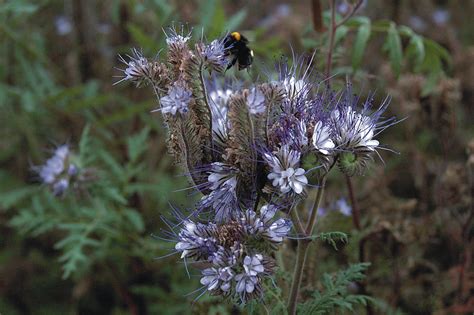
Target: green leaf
(362, 37)
(416, 43)
(394, 46)
(114, 166)
(335, 294)
(135, 218)
(341, 33)
(143, 40)
(11, 198)
(332, 237)
(84, 143)
(136, 144)
(405, 31)
(113, 194)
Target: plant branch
(314, 209)
(302, 250)
(332, 33)
(354, 204)
(297, 222)
(353, 10)
(301, 254)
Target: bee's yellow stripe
(236, 35)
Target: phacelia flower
(177, 100)
(213, 55)
(218, 280)
(58, 170)
(256, 101)
(353, 130)
(218, 103)
(197, 240)
(295, 87)
(175, 37)
(264, 225)
(322, 141)
(285, 172)
(223, 197)
(249, 282)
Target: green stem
(332, 35)
(297, 222)
(302, 250)
(314, 210)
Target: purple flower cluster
(238, 251)
(59, 170)
(247, 147)
(177, 100)
(338, 130)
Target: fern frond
(336, 294)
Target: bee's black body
(236, 46)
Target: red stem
(355, 206)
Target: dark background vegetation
(57, 67)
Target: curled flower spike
(137, 70)
(285, 172)
(142, 72)
(177, 100)
(177, 42)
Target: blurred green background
(96, 254)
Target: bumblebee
(236, 46)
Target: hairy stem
(302, 250)
(206, 100)
(314, 210)
(297, 222)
